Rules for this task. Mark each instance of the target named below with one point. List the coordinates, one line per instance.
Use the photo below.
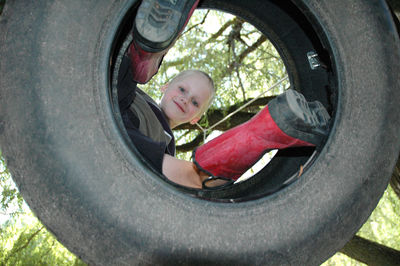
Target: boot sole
(158, 22)
(307, 121)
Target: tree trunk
(371, 253)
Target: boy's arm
(182, 172)
(126, 85)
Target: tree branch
(371, 253)
(241, 57)
(215, 115)
(24, 245)
(222, 29)
(198, 24)
(191, 145)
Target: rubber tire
(63, 146)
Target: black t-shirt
(151, 150)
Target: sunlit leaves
(383, 225)
(10, 200)
(25, 241)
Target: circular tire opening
(280, 50)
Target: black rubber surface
(158, 23)
(63, 146)
(299, 118)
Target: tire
(85, 182)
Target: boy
(288, 120)
(185, 99)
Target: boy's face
(186, 98)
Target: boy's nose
(183, 99)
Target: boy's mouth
(179, 106)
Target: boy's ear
(164, 87)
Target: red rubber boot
(234, 152)
(144, 64)
(158, 24)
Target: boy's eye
(195, 103)
(181, 89)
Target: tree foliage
(23, 239)
(10, 200)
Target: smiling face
(186, 98)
